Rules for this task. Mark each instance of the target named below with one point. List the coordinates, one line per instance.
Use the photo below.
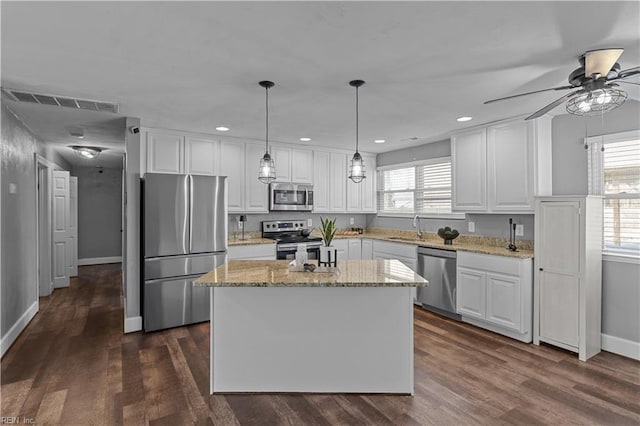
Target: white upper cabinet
(202, 156)
(338, 182)
(232, 165)
(321, 184)
(292, 164)
(301, 166)
(256, 192)
(469, 169)
(361, 197)
(501, 168)
(165, 152)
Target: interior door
(60, 229)
(72, 246)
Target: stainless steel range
(290, 233)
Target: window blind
(419, 189)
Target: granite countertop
(250, 241)
(275, 273)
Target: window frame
(595, 172)
(426, 162)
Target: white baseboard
(619, 346)
(99, 260)
(132, 324)
(17, 328)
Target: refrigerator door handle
(190, 207)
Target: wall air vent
(64, 101)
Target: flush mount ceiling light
(597, 101)
(305, 139)
(356, 169)
(87, 152)
(267, 171)
(464, 118)
(222, 129)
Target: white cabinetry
(234, 170)
(495, 292)
(406, 253)
(293, 164)
(254, 251)
(321, 183)
(256, 197)
(337, 182)
(500, 168)
(568, 273)
(361, 197)
(355, 248)
(176, 153)
(342, 248)
(367, 249)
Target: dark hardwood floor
(73, 366)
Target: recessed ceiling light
(464, 118)
(305, 139)
(379, 141)
(222, 129)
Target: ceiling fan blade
(600, 61)
(554, 104)
(627, 73)
(529, 93)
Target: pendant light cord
(266, 140)
(357, 119)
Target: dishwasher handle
(434, 252)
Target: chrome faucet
(416, 224)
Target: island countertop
(275, 273)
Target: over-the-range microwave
(291, 197)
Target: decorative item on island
(328, 254)
(448, 234)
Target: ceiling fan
(596, 80)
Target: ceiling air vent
(64, 101)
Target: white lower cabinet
(405, 253)
(367, 249)
(355, 248)
(342, 247)
(253, 251)
(495, 292)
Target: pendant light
(267, 171)
(356, 169)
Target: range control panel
(284, 225)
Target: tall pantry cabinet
(568, 273)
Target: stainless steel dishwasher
(439, 268)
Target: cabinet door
(503, 300)
(232, 165)
(165, 153)
(559, 237)
(469, 171)
(355, 249)
(321, 182)
(342, 246)
(367, 249)
(354, 195)
(471, 294)
(338, 182)
(256, 193)
(301, 166)
(202, 156)
(559, 309)
(368, 188)
(510, 166)
(282, 161)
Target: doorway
(45, 283)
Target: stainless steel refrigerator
(185, 235)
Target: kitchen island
(349, 331)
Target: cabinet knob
(541, 269)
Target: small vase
(328, 255)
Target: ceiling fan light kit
(356, 170)
(267, 170)
(596, 81)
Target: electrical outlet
(13, 188)
(520, 230)
(472, 227)
(352, 221)
(309, 223)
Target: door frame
(43, 225)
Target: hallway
(73, 366)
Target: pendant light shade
(267, 170)
(356, 169)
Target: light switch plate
(309, 222)
(352, 221)
(472, 227)
(520, 230)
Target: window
(614, 167)
(416, 188)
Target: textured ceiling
(194, 66)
